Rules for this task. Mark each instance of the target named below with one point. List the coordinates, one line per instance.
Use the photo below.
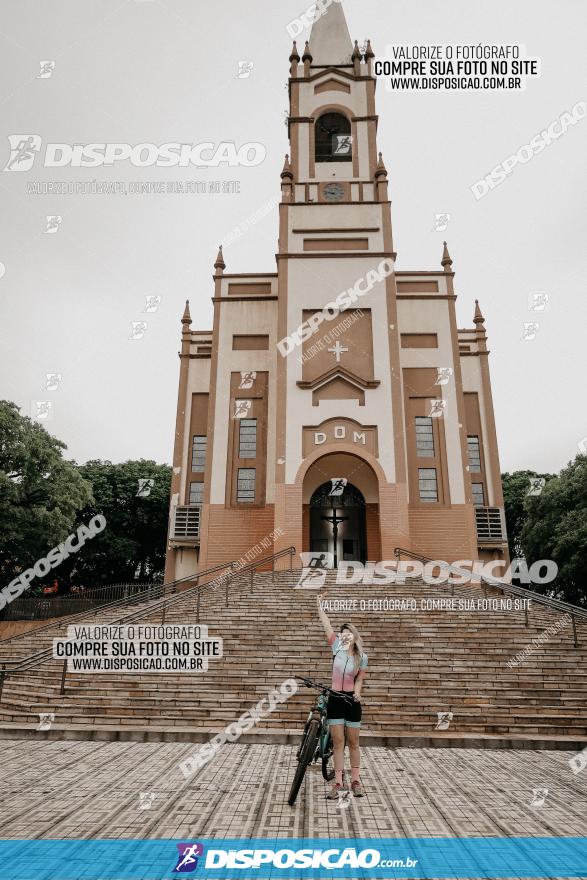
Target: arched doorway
(338, 522)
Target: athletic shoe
(335, 791)
(357, 789)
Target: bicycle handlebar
(310, 683)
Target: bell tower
(342, 382)
(332, 121)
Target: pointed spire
(356, 58)
(186, 317)
(330, 37)
(287, 172)
(220, 265)
(381, 170)
(478, 318)
(369, 53)
(294, 60)
(307, 56)
(446, 261)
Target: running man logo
(145, 487)
(315, 566)
(444, 719)
(338, 485)
(146, 799)
(539, 795)
(152, 303)
(187, 861)
(437, 408)
(537, 484)
(242, 408)
(247, 379)
(23, 151)
(53, 223)
(342, 144)
(444, 375)
(46, 719)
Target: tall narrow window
(199, 453)
(247, 447)
(196, 493)
(478, 494)
(424, 437)
(245, 489)
(427, 484)
(474, 455)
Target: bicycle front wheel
(327, 761)
(306, 754)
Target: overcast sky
(158, 72)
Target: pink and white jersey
(345, 667)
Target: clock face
(333, 192)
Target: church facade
(335, 406)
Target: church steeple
(332, 123)
(330, 39)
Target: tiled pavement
(80, 789)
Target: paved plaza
(81, 789)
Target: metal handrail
(42, 608)
(33, 660)
(557, 604)
(136, 615)
(117, 603)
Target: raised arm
(324, 619)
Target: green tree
(134, 541)
(556, 528)
(41, 493)
(515, 495)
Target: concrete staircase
(420, 663)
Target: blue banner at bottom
(225, 859)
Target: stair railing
(10, 667)
(575, 613)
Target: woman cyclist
(344, 715)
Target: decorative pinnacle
(356, 51)
(478, 318)
(381, 170)
(307, 56)
(294, 53)
(220, 264)
(186, 317)
(446, 261)
(369, 53)
(287, 172)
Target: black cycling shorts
(341, 711)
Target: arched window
(333, 138)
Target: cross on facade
(337, 350)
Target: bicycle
(316, 742)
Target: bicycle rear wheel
(306, 754)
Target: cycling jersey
(345, 667)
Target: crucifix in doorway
(335, 520)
